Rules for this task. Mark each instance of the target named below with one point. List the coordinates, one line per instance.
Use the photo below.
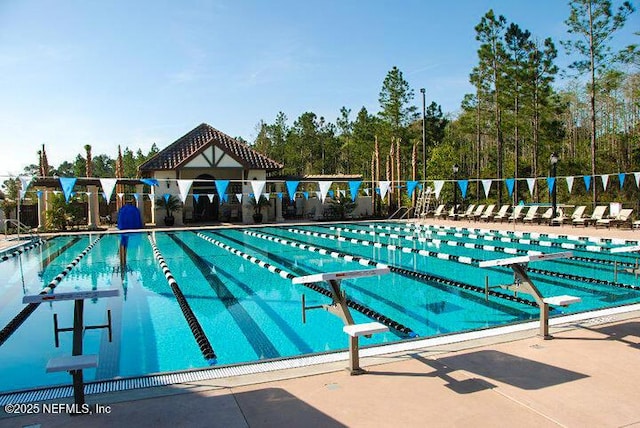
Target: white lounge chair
(516, 214)
(532, 215)
(623, 217)
(477, 213)
(598, 214)
(503, 214)
(468, 211)
(488, 213)
(578, 212)
(439, 211)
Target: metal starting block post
(339, 307)
(75, 363)
(524, 284)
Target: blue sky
(137, 72)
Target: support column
(93, 214)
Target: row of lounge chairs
(487, 213)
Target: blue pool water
(249, 313)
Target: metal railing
(20, 227)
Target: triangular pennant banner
(353, 188)
(120, 196)
(366, 192)
(279, 194)
(331, 194)
(605, 181)
(306, 195)
(39, 193)
(463, 184)
(135, 195)
(510, 182)
(210, 196)
(486, 184)
(569, 183)
(239, 197)
(319, 195)
(221, 187)
(411, 186)
(25, 180)
(621, 178)
(257, 186)
(342, 192)
(531, 183)
(437, 187)
(291, 188)
(184, 186)
(166, 197)
(196, 197)
(67, 184)
(587, 181)
(267, 196)
(324, 187)
(384, 188)
(108, 184)
(551, 181)
(151, 197)
(149, 181)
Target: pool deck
(587, 376)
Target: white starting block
(519, 267)
(72, 363)
(339, 308)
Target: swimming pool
(237, 284)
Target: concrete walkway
(586, 377)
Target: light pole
(424, 136)
(554, 168)
(455, 191)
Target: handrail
(20, 226)
(406, 214)
(397, 211)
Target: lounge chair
(477, 213)
(532, 215)
(438, 212)
(578, 212)
(623, 217)
(488, 213)
(559, 219)
(468, 211)
(503, 214)
(516, 214)
(598, 214)
(546, 216)
(636, 224)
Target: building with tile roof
(204, 155)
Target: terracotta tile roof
(195, 141)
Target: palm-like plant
(170, 204)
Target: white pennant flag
(324, 188)
(24, 184)
(151, 197)
(531, 182)
(637, 175)
(486, 185)
(366, 192)
(108, 184)
(437, 187)
(184, 186)
(342, 192)
(258, 187)
(384, 188)
(605, 181)
(239, 197)
(267, 196)
(210, 196)
(569, 183)
(120, 195)
(318, 194)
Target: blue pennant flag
(279, 195)
(67, 184)
(463, 184)
(306, 195)
(149, 181)
(510, 182)
(411, 187)
(221, 186)
(291, 188)
(331, 193)
(39, 193)
(551, 181)
(196, 197)
(166, 197)
(136, 196)
(587, 181)
(621, 178)
(353, 188)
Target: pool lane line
(22, 249)
(315, 287)
(463, 259)
(261, 344)
(288, 263)
(434, 281)
(22, 316)
(406, 272)
(192, 321)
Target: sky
(134, 73)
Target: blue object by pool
(129, 218)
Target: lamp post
(554, 168)
(455, 191)
(424, 136)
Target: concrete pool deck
(587, 376)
